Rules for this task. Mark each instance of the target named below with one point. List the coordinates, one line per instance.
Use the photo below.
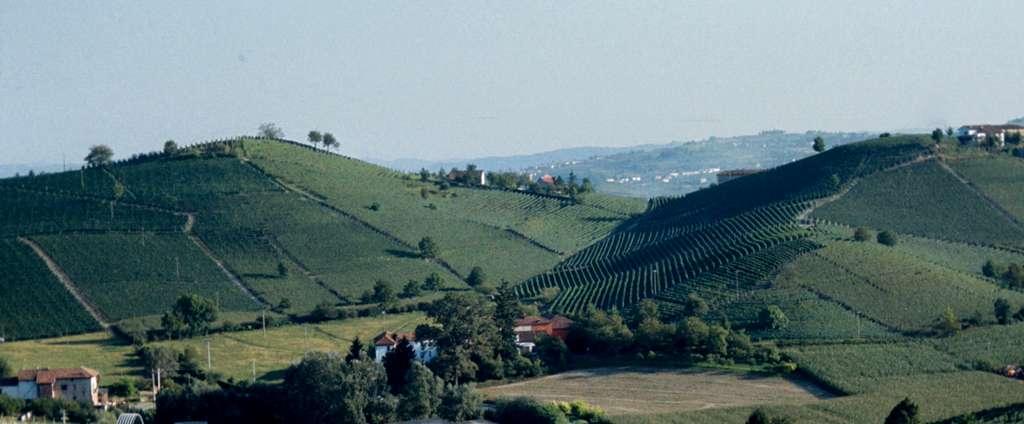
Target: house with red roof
(77, 384)
(528, 329)
(425, 350)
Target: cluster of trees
(190, 316)
(1012, 274)
(518, 181)
(327, 139)
(55, 410)
(385, 294)
(475, 337)
(324, 387)
(608, 333)
(887, 238)
(527, 410)
(1005, 314)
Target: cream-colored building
(78, 384)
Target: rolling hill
(251, 222)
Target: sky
(437, 80)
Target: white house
(425, 350)
(77, 384)
(978, 133)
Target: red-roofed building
(528, 329)
(425, 350)
(547, 179)
(78, 384)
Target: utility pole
(177, 269)
(209, 358)
(253, 371)
(264, 319)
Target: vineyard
(908, 200)
(887, 286)
(134, 274)
(32, 302)
(1001, 178)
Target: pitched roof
(49, 376)
(557, 321)
(389, 338)
(531, 320)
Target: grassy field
(232, 353)
(939, 396)
(907, 200)
(638, 390)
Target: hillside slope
(251, 223)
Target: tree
(99, 155)
(170, 147)
(424, 175)
(5, 368)
(506, 312)
(887, 238)
(330, 141)
(905, 412)
(356, 351)
(465, 330)
(772, 317)
(324, 311)
(283, 305)
(428, 249)
(527, 410)
(695, 306)
(460, 403)
(645, 310)
(397, 363)
(937, 135)
(422, 394)
(383, 293)
(161, 358)
(324, 388)
(862, 234)
(691, 334)
(191, 315)
(949, 324)
(761, 417)
(1002, 309)
(553, 352)
(433, 282)
(993, 270)
(270, 130)
(282, 271)
(949, 131)
(587, 186)
(314, 137)
(476, 277)
(653, 335)
(411, 289)
(819, 144)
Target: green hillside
(250, 223)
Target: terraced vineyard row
(28, 212)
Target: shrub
(887, 238)
(526, 410)
(460, 403)
(862, 234)
(772, 317)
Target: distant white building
(978, 133)
(425, 350)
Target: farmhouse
(978, 133)
(546, 179)
(469, 176)
(529, 328)
(425, 350)
(732, 174)
(77, 384)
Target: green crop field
(962, 257)
(134, 274)
(32, 302)
(855, 368)
(906, 199)
(993, 346)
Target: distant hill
(1018, 121)
(12, 169)
(680, 168)
(653, 170)
(257, 224)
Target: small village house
(77, 384)
(425, 350)
(979, 133)
(469, 176)
(529, 328)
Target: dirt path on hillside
(224, 269)
(281, 251)
(63, 277)
(343, 214)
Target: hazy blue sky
(435, 79)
